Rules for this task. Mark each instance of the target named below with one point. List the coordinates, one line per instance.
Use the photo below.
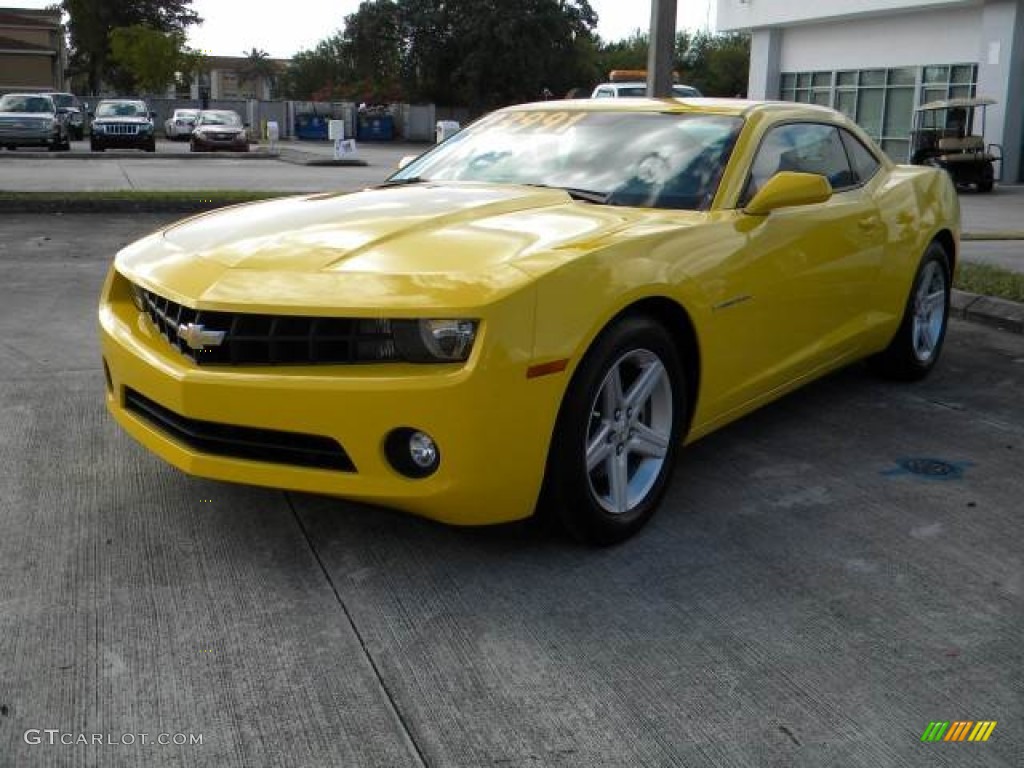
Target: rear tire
(614, 445)
(987, 180)
(916, 347)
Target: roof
(239, 62)
(978, 101)
(738, 107)
(10, 44)
(29, 17)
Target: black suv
(126, 123)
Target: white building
(876, 60)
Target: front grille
(251, 339)
(120, 129)
(269, 445)
(19, 128)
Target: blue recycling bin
(311, 127)
(375, 128)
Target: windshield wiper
(400, 182)
(587, 195)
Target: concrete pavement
(827, 577)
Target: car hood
(220, 128)
(450, 244)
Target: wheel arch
(945, 238)
(674, 318)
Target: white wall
(943, 37)
(749, 14)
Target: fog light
(423, 450)
(412, 452)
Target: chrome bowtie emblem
(197, 337)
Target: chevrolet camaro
(534, 315)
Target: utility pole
(662, 48)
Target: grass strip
(990, 281)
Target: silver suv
(32, 120)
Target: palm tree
(258, 68)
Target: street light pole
(662, 48)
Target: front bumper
(122, 141)
(491, 423)
(239, 144)
(34, 137)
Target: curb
(284, 154)
(252, 154)
(987, 310)
(993, 235)
(101, 205)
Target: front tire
(915, 348)
(615, 440)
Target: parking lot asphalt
(827, 576)
(173, 168)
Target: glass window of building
(881, 101)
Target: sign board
(344, 147)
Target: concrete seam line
(993, 235)
(359, 635)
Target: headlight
(147, 128)
(434, 341)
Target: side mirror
(153, 115)
(91, 115)
(406, 160)
(787, 189)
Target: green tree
(476, 53)
(90, 23)
(318, 73)
(152, 58)
(717, 64)
(628, 53)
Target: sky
(284, 27)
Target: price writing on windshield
(542, 122)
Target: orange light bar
(544, 369)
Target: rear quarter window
(865, 164)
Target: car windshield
(63, 99)
(121, 109)
(645, 159)
(219, 118)
(185, 114)
(14, 103)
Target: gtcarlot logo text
(56, 736)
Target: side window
(804, 148)
(605, 93)
(865, 164)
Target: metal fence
(412, 122)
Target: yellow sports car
(535, 314)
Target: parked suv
(122, 123)
(75, 111)
(32, 119)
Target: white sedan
(181, 124)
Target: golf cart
(943, 137)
